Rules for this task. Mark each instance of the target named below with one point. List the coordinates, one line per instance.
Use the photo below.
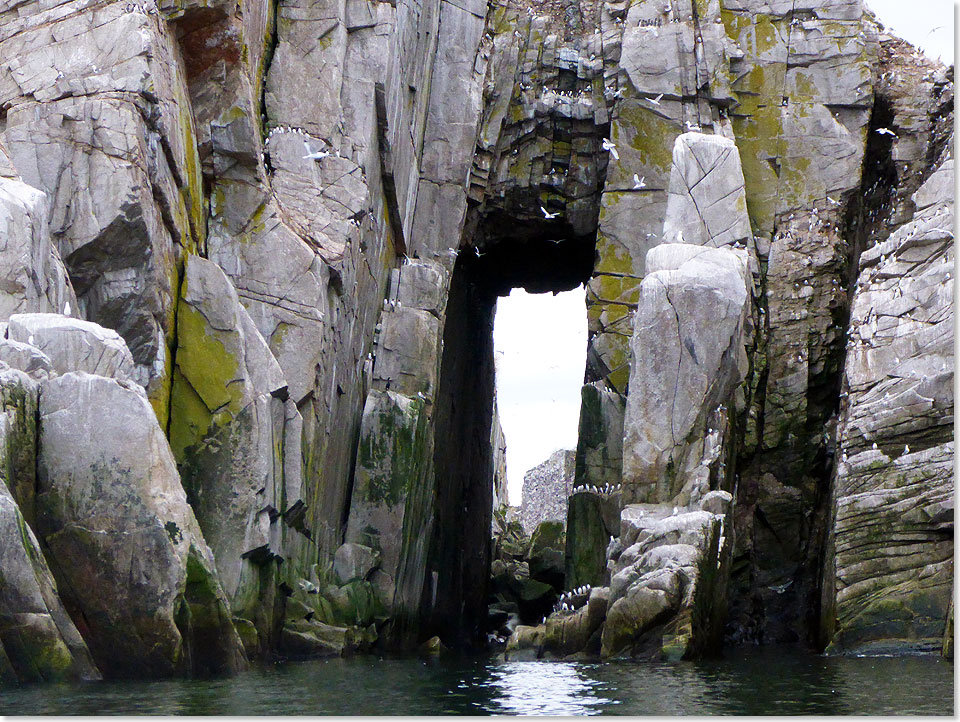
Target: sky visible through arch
(541, 339)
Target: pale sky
(541, 339)
(540, 343)
(928, 24)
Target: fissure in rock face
(261, 243)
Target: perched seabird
(66, 309)
(610, 146)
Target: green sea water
(753, 682)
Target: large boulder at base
(126, 549)
(668, 587)
(36, 634)
(74, 345)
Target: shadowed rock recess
(251, 253)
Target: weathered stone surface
(688, 359)
(32, 276)
(389, 479)
(36, 634)
(74, 345)
(24, 357)
(587, 537)
(354, 561)
(129, 554)
(19, 399)
(893, 513)
(229, 426)
(599, 460)
(567, 634)
(99, 120)
(707, 203)
(333, 159)
(546, 488)
(668, 587)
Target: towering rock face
(291, 223)
(892, 542)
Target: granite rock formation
(250, 258)
(546, 488)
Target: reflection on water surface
(753, 682)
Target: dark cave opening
(539, 257)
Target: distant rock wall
(546, 488)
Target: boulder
(668, 592)
(32, 276)
(37, 635)
(688, 359)
(74, 345)
(577, 632)
(127, 552)
(707, 202)
(29, 359)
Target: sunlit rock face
(272, 236)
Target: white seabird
(610, 146)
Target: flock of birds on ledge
(604, 490)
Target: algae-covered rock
(127, 552)
(231, 429)
(37, 637)
(19, 399)
(390, 471)
(586, 541)
(599, 459)
(526, 643)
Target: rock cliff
(251, 255)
